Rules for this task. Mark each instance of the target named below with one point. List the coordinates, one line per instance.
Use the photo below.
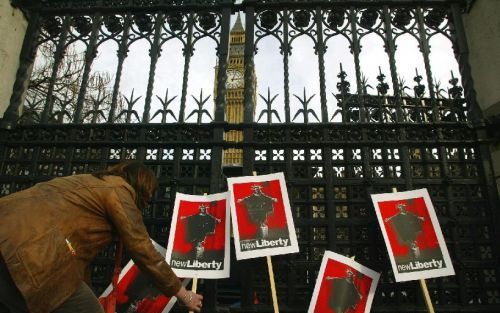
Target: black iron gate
(364, 141)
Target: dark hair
(140, 177)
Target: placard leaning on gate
(261, 216)
(136, 291)
(412, 234)
(343, 285)
(198, 245)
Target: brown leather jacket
(85, 210)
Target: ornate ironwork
(369, 135)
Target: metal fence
(365, 135)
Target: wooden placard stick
(194, 285)
(271, 277)
(423, 285)
(427, 297)
(273, 286)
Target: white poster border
(210, 274)
(329, 255)
(294, 246)
(422, 274)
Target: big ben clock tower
(234, 92)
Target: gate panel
(347, 135)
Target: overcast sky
(303, 69)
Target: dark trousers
(12, 301)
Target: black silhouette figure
(259, 206)
(142, 287)
(408, 227)
(198, 227)
(344, 294)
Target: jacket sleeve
(127, 219)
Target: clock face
(234, 79)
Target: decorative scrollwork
(175, 21)
(368, 18)
(402, 18)
(336, 18)
(52, 25)
(113, 23)
(268, 19)
(435, 17)
(144, 22)
(207, 21)
(301, 18)
(82, 24)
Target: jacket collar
(119, 181)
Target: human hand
(191, 300)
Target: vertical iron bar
(286, 73)
(321, 49)
(210, 293)
(27, 58)
(220, 100)
(391, 51)
(356, 50)
(326, 151)
(90, 55)
(361, 94)
(446, 181)
(58, 57)
(425, 49)
(248, 151)
(122, 54)
(288, 151)
(249, 91)
(390, 48)
(154, 54)
(188, 53)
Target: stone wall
(482, 25)
(12, 29)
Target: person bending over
(51, 232)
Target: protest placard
(261, 216)
(412, 234)
(136, 292)
(342, 286)
(198, 244)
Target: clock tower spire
(234, 92)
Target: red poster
(343, 286)
(412, 235)
(137, 293)
(261, 216)
(199, 236)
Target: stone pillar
(12, 30)
(482, 26)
